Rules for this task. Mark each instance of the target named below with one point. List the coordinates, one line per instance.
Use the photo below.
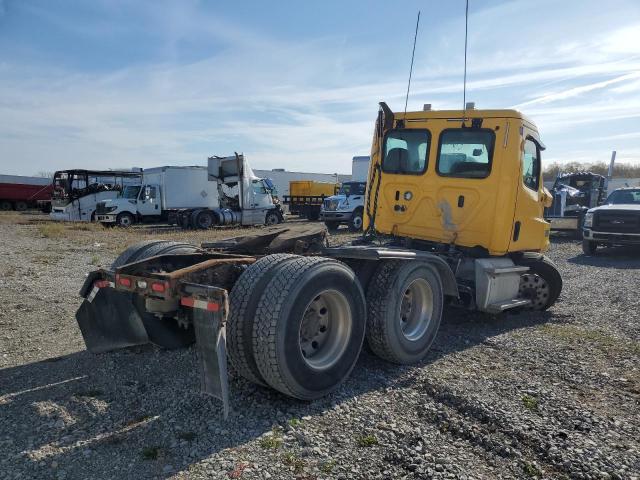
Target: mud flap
(108, 320)
(211, 345)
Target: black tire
(21, 206)
(125, 220)
(277, 347)
(6, 205)
(548, 272)
(313, 215)
(356, 221)
(388, 288)
(272, 218)
(204, 220)
(332, 226)
(243, 302)
(589, 247)
(132, 253)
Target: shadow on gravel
(136, 413)
(624, 257)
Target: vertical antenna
(464, 83)
(411, 69)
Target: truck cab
(472, 179)
(135, 202)
(347, 206)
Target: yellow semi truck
(306, 196)
(453, 216)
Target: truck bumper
(611, 238)
(564, 223)
(106, 218)
(335, 216)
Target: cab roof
(458, 114)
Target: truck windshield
(624, 197)
(131, 192)
(353, 188)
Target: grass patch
(292, 460)
(271, 442)
(530, 470)
(188, 436)
(327, 466)
(51, 230)
(598, 338)
(367, 440)
(530, 403)
(294, 422)
(86, 227)
(150, 453)
(95, 259)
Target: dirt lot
(551, 395)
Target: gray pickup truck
(617, 222)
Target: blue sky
(295, 85)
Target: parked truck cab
(440, 177)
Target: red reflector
(125, 282)
(159, 287)
(101, 284)
(213, 307)
(187, 301)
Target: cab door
(530, 230)
(149, 201)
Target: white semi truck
(196, 197)
(347, 206)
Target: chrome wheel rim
(416, 309)
(357, 222)
(125, 221)
(325, 329)
(534, 288)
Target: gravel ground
(551, 395)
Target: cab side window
(531, 165)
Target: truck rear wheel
(542, 284)
(309, 327)
(21, 206)
(203, 219)
(243, 302)
(6, 205)
(405, 308)
(125, 219)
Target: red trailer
(19, 192)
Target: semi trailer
(18, 192)
(224, 192)
(453, 215)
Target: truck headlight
(588, 220)
(112, 208)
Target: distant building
(282, 177)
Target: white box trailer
(182, 187)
